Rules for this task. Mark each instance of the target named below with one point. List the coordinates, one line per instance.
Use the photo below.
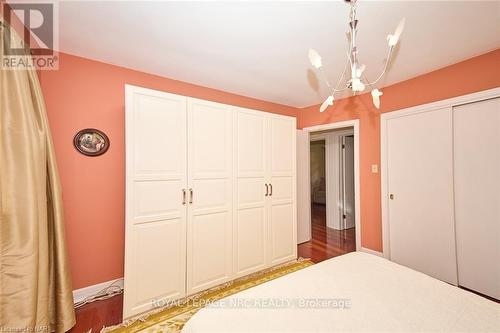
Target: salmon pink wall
(85, 93)
(475, 74)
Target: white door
(282, 183)
(477, 195)
(209, 243)
(348, 206)
(250, 160)
(155, 228)
(420, 184)
(303, 188)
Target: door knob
(391, 196)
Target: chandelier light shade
(357, 81)
(326, 103)
(376, 97)
(315, 58)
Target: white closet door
(477, 195)
(282, 210)
(250, 227)
(348, 182)
(420, 179)
(209, 245)
(155, 235)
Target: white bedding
(383, 296)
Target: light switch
(374, 168)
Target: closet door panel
(283, 248)
(207, 253)
(282, 190)
(282, 139)
(421, 221)
(155, 228)
(251, 246)
(281, 202)
(250, 149)
(156, 200)
(155, 242)
(250, 227)
(477, 195)
(209, 244)
(250, 192)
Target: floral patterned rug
(172, 318)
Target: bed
(356, 292)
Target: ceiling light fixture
(358, 81)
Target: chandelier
(358, 81)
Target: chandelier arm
(389, 54)
(349, 57)
(358, 80)
(339, 90)
(340, 80)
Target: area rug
(172, 319)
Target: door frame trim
(339, 125)
(328, 177)
(332, 171)
(303, 205)
(384, 119)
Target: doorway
(332, 188)
(318, 182)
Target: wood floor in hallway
(326, 242)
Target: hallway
(326, 242)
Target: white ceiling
(259, 49)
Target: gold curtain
(35, 284)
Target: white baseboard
(82, 293)
(380, 254)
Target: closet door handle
(190, 195)
(271, 192)
(183, 196)
(267, 190)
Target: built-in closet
(441, 190)
(210, 195)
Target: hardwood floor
(326, 242)
(98, 314)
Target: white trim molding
(303, 188)
(332, 173)
(370, 251)
(83, 293)
(385, 117)
(338, 125)
(331, 220)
